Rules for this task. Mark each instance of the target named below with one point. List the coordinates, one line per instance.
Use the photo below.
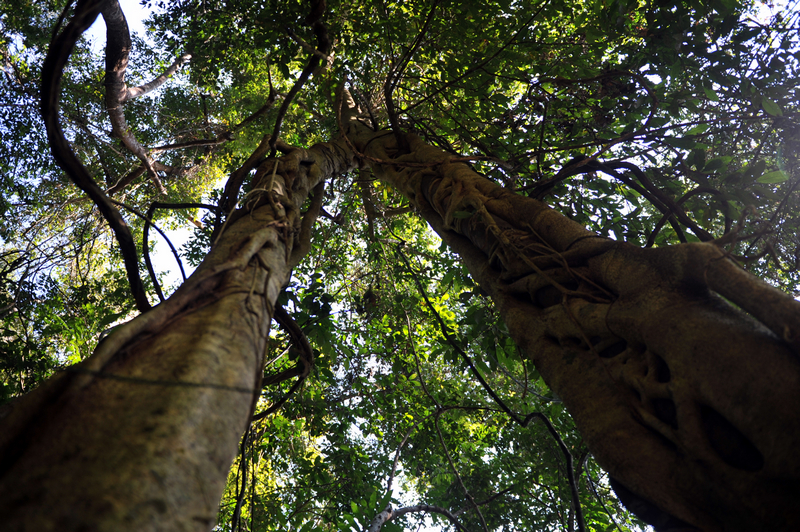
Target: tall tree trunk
(690, 403)
(141, 435)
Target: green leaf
(698, 129)
(778, 176)
(684, 143)
(771, 107)
(658, 121)
(711, 95)
(716, 163)
(111, 318)
(755, 170)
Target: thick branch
(650, 362)
(126, 180)
(305, 45)
(118, 49)
(60, 49)
(303, 238)
(200, 143)
(305, 356)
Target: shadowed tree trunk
(141, 435)
(690, 403)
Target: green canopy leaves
(654, 123)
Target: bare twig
(400, 448)
(480, 65)
(416, 360)
(593, 486)
(394, 77)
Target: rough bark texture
(691, 404)
(141, 435)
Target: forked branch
(118, 49)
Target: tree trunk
(141, 435)
(690, 403)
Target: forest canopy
(651, 123)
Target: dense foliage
(655, 123)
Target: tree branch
(148, 220)
(303, 238)
(273, 95)
(479, 65)
(61, 48)
(388, 514)
(306, 46)
(323, 46)
(305, 355)
(126, 180)
(143, 89)
(118, 47)
(237, 510)
(593, 486)
(225, 137)
(395, 74)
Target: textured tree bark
(141, 435)
(690, 403)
